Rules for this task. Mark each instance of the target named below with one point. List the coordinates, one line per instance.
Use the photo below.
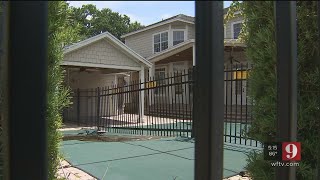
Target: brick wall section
(101, 52)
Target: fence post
(286, 41)
(208, 109)
(193, 98)
(27, 125)
(318, 8)
(318, 5)
(98, 109)
(78, 106)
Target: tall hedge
(259, 35)
(62, 31)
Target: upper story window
(236, 27)
(178, 37)
(160, 41)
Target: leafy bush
(60, 34)
(259, 35)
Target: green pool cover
(161, 159)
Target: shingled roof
(181, 17)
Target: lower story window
(238, 87)
(178, 81)
(160, 75)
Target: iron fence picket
(236, 83)
(226, 103)
(241, 101)
(168, 106)
(171, 104)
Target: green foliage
(259, 35)
(60, 34)
(94, 21)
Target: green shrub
(62, 31)
(259, 35)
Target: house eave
(156, 25)
(171, 51)
(116, 42)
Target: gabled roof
(179, 17)
(116, 42)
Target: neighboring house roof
(172, 50)
(179, 17)
(116, 42)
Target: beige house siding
(191, 32)
(228, 27)
(86, 80)
(178, 25)
(88, 103)
(101, 52)
(142, 42)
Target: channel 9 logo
(283, 151)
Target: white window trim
(232, 31)
(170, 36)
(160, 40)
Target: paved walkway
(161, 159)
(66, 171)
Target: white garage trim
(110, 66)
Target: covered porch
(94, 68)
(172, 71)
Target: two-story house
(170, 46)
(156, 51)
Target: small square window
(178, 37)
(160, 75)
(236, 30)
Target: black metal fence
(161, 106)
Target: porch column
(193, 55)
(141, 104)
(151, 77)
